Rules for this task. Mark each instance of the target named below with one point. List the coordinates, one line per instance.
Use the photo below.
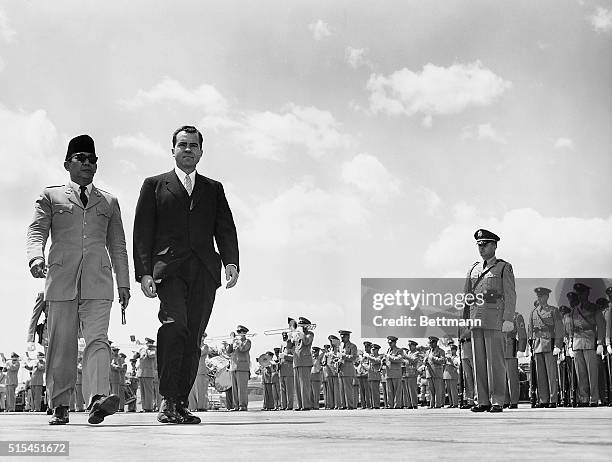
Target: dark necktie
(83, 195)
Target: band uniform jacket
(202, 366)
(240, 358)
(115, 370)
(38, 372)
(516, 339)
(412, 362)
(169, 225)
(302, 354)
(12, 372)
(586, 326)
(394, 360)
(286, 363)
(146, 364)
(349, 355)
(81, 241)
(436, 358)
(545, 327)
(329, 370)
(497, 288)
(451, 367)
(374, 371)
(316, 371)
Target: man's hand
(570, 352)
(231, 275)
(124, 296)
(520, 354)
(507, 326)
(556, 351)
(38, 268)
(30, 346)
(147, 284)
(600, 350)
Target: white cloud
(32, 139)
(320, 30)
(435, 90)
(306, 218)
(141, 144)
(537, 246)
(430, 198)
(271, 135)
(356, 57)
(6, 30)
(564, 143)
(205, 96)
(369, 175)
(601, 20)
(427, 121)
(482, 132)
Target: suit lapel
(72, 197)
(175, 187)
(199, 190)
(94, 198)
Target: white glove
(520, 354)
(610, 349)
(600, 350)
(30, 346)
(507, 326)
(570, 352)
(556, 351)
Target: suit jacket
(81, 241)
(240, 359)
(545, 327)
(169, 225)
(498, 291)
(302, 354)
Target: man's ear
(67, 166)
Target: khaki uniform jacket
(436, 359)
(240, 358)
(81, 241)
(516, 339)
(286, 363)
(413, 362)
(302, 354)
(586, 326)
(395, 358)
(349, 354)
(451, 368)
(374, 361)
(497, 288)
(545, 327)
(146, 365)
(12, 372)
(327, 361)
(38, 372)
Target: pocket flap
(62, 208)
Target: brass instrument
(287, 330)
(231, 336)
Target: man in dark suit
(178, 215)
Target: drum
(219, 374)
(128, 394)
(223, 380)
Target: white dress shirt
(182, 175)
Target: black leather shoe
(168, 412)
(543, 405)
(480, 408)
(594, 404)
(552, 405)
(102, 406)
(513, 406)
(60, 416)
(186, 416)
(496, 408)
(466, 406)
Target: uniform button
(61, 211)
(84, 237)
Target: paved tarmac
(393, 435)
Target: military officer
(302, 364)
(316, 374)
(374, 361)
(587, 334)
(515, 344)
(12, 380)
(433, 364)
(346, 369)
(115, 377)
(286, 374)
(330, 369)
(36, 381)
(364, 366)
(393, 360)
(276, 394)
(413, 362)
(146, 373)
(492, 283)
(265, 370)
(240, 364)
(451, 376)
(604, 389)
(132, 383)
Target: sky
(354, 139)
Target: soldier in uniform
(515, 344)
(240, 367)
(493, 281)
(198, 397)
(266, 380)
(604, 391)
(286, 374)
(330, 371)
(413, 362)
(433, 363)
(12, 380)
(276, 394)
(316, 374)
(587, 332)
(362, 379)
(302, 364)
(467, 364)
(132, 382)
(374, 361)
(146, 373)
(393, 360)
(115, 377)
(346, 369)
(451, 376)
(36, 381)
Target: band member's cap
(122, 355)
(392, 338)
(241, 329)
(149, 340)
(412, 342)
(277, 349)
(450, 342)
(327, 345)
(367, 343)
(579, 287)
(316, 348)
(453, 347)
(14, 355)
(40, 354)
(483, 235)
(290, 320)
(344, 332)
(333, 337)
(609, 290)
(375, 346)
(433, 338)
(81, 143)
(115, 348)
(269, 353)
(542, 291)
(303, 321)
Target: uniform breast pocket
(103, 213)
(62, 212)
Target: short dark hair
(187, 129)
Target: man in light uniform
(515, 343)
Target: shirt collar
(490, 262)
(182, 175)
(77, 188)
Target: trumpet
(286, 330)
(231, 336)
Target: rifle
(533, 382)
